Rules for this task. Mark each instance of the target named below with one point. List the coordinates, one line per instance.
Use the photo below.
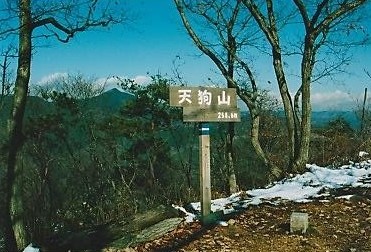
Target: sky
(315, 184)
(155, 42)
(149, 44)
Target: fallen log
(122, 234)
(147, 234)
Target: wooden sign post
(205, 104)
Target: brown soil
(334, 225)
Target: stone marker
(298, 222)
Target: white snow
(30, 248)
(189, 216)
(301, 188)
(362, 153)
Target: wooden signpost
(205, 179)
(205, 104)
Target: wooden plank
(194, 114)
(203, 97)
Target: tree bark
(15, 235)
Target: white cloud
(335, 100)
(332, 100)
(142, 79)
(111, 82)
(50, 78)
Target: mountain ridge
(113, 99)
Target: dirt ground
(334, 225)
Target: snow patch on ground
(300, 188)
(30, 248)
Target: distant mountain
(112, 101)
(35, 105)
(321, 118)
(109, 101)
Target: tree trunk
(152, 178)
(287, 103)
(231, 58)
(15, 235)
(302, 149)
(232, 181)
(274, 171)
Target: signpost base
(212, 218)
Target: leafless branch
(367, 73)
(63, 19)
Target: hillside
(35, 105)
(335, 225)
(338, 202)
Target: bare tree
(230, 34)
(325, 32)
(75, 86)
(39, 19)
(324, 25)
(6, 74)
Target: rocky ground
(335, 224)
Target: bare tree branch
(367, 73)
(197, 40)
(343, 8)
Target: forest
(92, 160)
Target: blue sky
(152, 41)
(148, 44)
